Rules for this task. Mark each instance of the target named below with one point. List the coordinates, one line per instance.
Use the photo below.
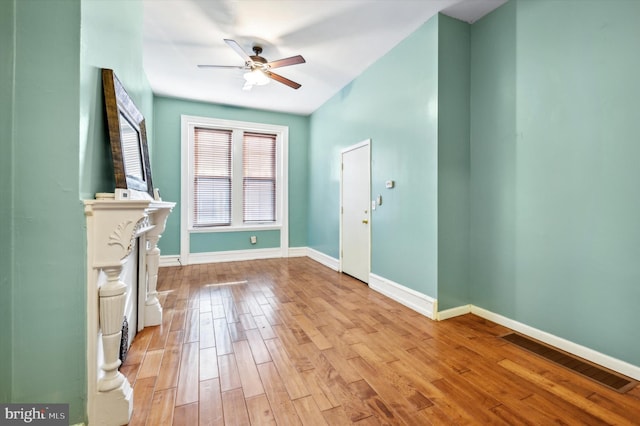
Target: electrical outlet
(253, 239)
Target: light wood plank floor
(290, 342)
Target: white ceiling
(338, 38)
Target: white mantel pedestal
(152, 308)
(112, 229)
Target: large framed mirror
(128, 137)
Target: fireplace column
(152, 308)
(112, 299)
(111, 234)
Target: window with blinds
(259, 178)
(234, 176)
(212, 169)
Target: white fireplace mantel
(113, 227)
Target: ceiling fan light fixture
(259, 69)
(256, 78)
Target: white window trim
(188, 122)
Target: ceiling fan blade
(235, 46)
(282, 80)
(223, 66)
(287, 61)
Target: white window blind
(259, 177)
(130, 139)
(212, 177)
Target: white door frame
(366, 142)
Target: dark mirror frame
(121, 109)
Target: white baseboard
(172, 260)
(238, 255)
(415, 300)
(599, 358)
(230, 256)
(454, 312)
(297, 251)
(234, 255)
(326, 260)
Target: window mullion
(236, 197)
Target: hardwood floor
(290, 342)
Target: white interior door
(355, 235)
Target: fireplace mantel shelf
(113, 227)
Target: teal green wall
(555, 170)
(224, 241)
(111, 38)
(54, 144)
(48, 279)
(453, 162)
(395, 103)
(7, 51)
(421, 141)
(166, 169)
(493, 165)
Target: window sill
(266, 227)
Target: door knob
(365, 221)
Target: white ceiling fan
(258, 68)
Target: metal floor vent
(601, 375)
